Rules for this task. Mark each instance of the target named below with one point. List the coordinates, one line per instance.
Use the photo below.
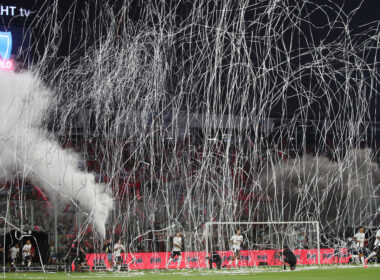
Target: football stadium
(158, 139)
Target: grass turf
(261, 274)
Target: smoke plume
(27, 149)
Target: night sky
(70, 16)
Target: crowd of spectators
(129, 170)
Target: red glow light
(6, 65)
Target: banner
(198, 259)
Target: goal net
(262, 241)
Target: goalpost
(269, 235)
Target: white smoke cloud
(26, 149)
(319, 187)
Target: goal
(265, 236)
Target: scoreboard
(14, 46)
(16, 17)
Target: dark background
(72, 44)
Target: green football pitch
(344, 273)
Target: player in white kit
(26, 253)
(13, 254)
(359, 238)
(177, 249)
(117, 250)
(376, 247)
(236, 241)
